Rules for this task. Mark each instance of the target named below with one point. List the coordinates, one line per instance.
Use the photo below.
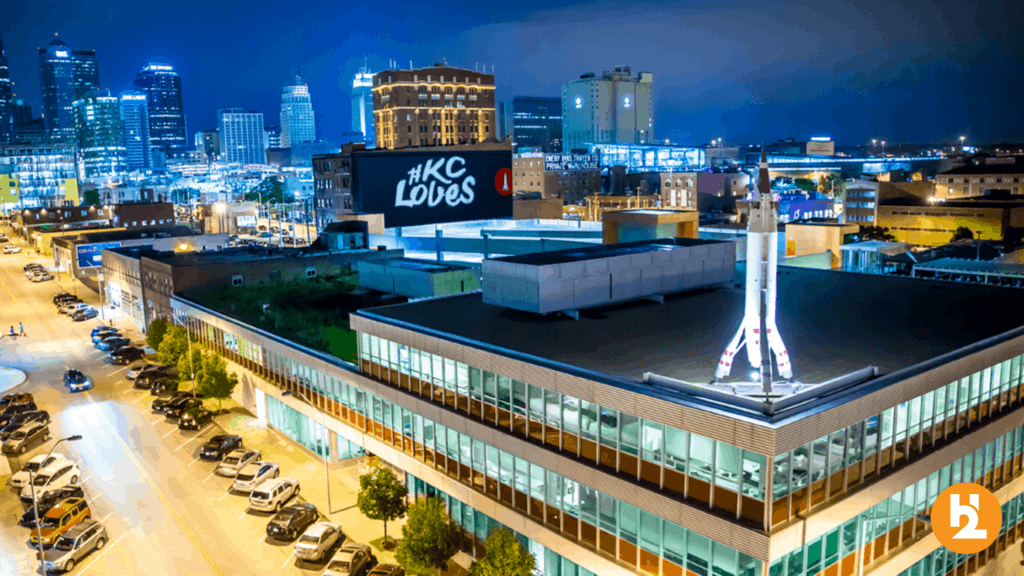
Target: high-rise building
(241, 136)
(100, 135)
(208, 143)
(162, 87)
(66, 76)
(135, 118)
(42, 170)
(21, 111)
(362, 105)
(272, 137)
(611, 109)
(438, 106)
(297, 121)
(534, 123)
(6, 117)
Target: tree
(962, 233)
(806, 184)
(381, 496)
(155, 332)
(186, 366)
(173, 346)
(91, 197)
(876, 233)
(271, 190)
(429, 538)
(213, 381)
(505, 556)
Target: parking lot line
(262, 538)
(186, 443)
(244, 512)
(105, 517)
(288, 560)
(86, 569)
(139, 398)
(169, 433)
(210, 476)
(226, 492)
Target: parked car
(235, 461)
(290, 521)
(72, 307)
(113, 343)
(13, 410)
(12, 249)
(41, 277)
(219, 446)
(86, 314)
(57, 297)
(50, 479)
(76, 381)
(47, 501)
(164, 385)
(140, 368)
(19, 441)
(35, 464)
(317, 540)
(22, 419)
(145, 380)
(11, 399)
(195, 419)
(30, 269)
(74, 545)
(271, 495)
(174, 410)
(253, 474)
(126, 355)
(101, 332)
(387, 570)
(58, 520)
(350, 560)
(160, 403)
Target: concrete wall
(586, 283)
(416, 283)
(475, 245)
(807, 239)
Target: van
(271, 495)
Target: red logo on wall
(503, 181)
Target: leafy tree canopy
(381, 496)
(429, 538)
(505, 556)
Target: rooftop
(601, 251)
(987, 201)
(996, 165)
(833, 323)
(85, 237)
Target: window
(236, 280)
(310, 272)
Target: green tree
(91, 197)
(213, 381)
(173, 346)
(962, 233)
(429, 538)
(381, 496)
(186, 365)
(876, 233)
(806, 184)
(155, 333)
(271, 190)
(505, 556)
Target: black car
(24, 418)
(219, 446)
(102, 329)
(113, 343)
(145, 380)
(101, 336)
(12, 399)
(126, 355)
(174, 410)
(164, 385)
(291, 521)
(76, 381)
(87, 314)
(49, 500)
(30, 266)
(166, 400)
(62, 296)
(195, 419)
(14, 410)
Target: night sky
(912, 71)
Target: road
(165, 512)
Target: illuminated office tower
(100, 135)
(615, 108)
(66, 76)
(362, 105)
(135, 118)
(6, 118)
(241, 136)
(162, 87)
(297, 121)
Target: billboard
(805, 209)
(416, 188)
(90, 255)
(565, 162)
(248, 220)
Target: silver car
(18, 442)
(317, 540)
(77, 543)
(235, 461)
(253, 474)
(352, 559)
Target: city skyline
(885, 72)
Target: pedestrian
(12, 331)
(21, 329)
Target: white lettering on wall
(427, 183)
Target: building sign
(415, 188)
(248, 220)
(797, 210)
(564, 162)
(90, 255)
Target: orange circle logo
(966, 518)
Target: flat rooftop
(602, 251)
(832, 322)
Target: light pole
(327, 458)
(962, 138)
(883, 148)
(35, 504)
(874, 146)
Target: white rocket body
(759, 305)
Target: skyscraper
(362, 105)
(135, 118)
(100, 134)
(297, 121)
(241, 136)
(162, 87)
(615, 108)
(535, 122)
(6, 119)
(208, 144)
(66, 76)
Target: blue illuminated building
(362, 105)
(66, 76)
(534, 123)
(162, 86)
(650, 157)
(135, 118)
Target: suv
(271, 495)
(19, 440)
(351, 559)
(12, 249)
(22, 419)
(288, 523)
(59, 520)
(76, 544)
(219, 446)
(51, 499)
(33, 466)
(51, 479)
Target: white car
(254, 474)
(351, 559)
(136, 370)
(317, 540)
(235, 461)
(20, 479)
(42, 277)
(11, 249)
(271, 495)
(58, 475)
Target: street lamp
(327, 458)
(35, 504)
(962, 138)
(874, 145)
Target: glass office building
(100, 135)
(362, 105)
(297, 120)
(556, 429)
(66, 76)
(162, 86)
(135, 119)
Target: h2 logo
(966, 518)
